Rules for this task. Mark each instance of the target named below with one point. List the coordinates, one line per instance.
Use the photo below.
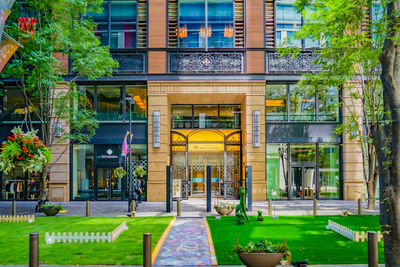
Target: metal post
(147, 250)
(360, 211)
(178, 208)
(34, 250)
(130, 158)
(169, 204)
(208, 187)
(133, 205)
(87, 208)
(269, 207)
(372, 249)
(249, 188)
(315, 207)
(14, 208)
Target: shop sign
(256, 128)
(206, 146)
(8, 46)
(108, 155)
(156, 129)
(176, 189)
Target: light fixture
(228, 31)
(203, 31)
(57, 130)
(183, 32)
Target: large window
(289, 21)
(117, 26)
(206, 23)
(329, 171)
(287, 102)
(109, 103)
(83, 186)
(14, 107)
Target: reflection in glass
(229, 116)
(277, 171)
(303, 180)
(101, 20)
(328, 102)
(191, 20)
(181, 116)
(14, 105)
(82, 172)
(205, 116)
(288, 21)
(14, 185)
(220, 22)
(89, 92)
(303, 152)
(302, 105)
(276, 102)
(329, 171)
(109, 186)
(123, 24)
(109, 103)
(139, 95)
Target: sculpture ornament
(240, 211)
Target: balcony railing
(130, 62)
(282, 65)
(206, 62)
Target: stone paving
(186, 244)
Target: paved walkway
(186, 244)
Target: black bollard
(360, 211)
(147, 250)
(34, 250)
(315, 207)
(372, 249)
(14, 208)
(87, 208)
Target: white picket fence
(85, 237)
(350, 234)
(18, 218)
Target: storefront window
(303, 153)
(109, 103)
(14, 105)
(302, 105)
(277, 171)
(139, 95)
(193, 23)
(329, 171)
(13, 186)
(89, 92)
(229, 116)
(182, 116)
(83, 172)
(276, 102)
(328, 105)
(205, 116)
(139, 161)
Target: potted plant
(50, 209)
(224, 208)
(140, 172)
(119, 172)
(263, 253)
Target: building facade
(209, 90)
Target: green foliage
(119, 172)
(140, 172)
(24, 150)
(49, 205)
(263, 246)
(224, 205)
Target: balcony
(205, 62)
(275, 64)
(130, 61)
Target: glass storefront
(13, 105)
(109, 103)
(17, 185)
(93, 171)
(302, 171)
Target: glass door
(303, 180)
(108, 186)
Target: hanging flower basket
(119, 172)
(24, 150)
(140, 172)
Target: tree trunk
(387, 139)
(373, 176)
(43, 191)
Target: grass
(306, 236)
(127, 249)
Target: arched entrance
(193, 150)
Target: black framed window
(14, 105)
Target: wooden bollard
(360, 211)
(269, 207)
(178, 208)
(14, 208)
(87, 208)
(34, 250)
(147, 250)
(315, 207)
(372, 249)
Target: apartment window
(288, 102)
(14, 106)
(288, 22)
(117, 24)
(206, 23)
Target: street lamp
(131, 102)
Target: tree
(349, 59)
(57, 30)
(387, 137)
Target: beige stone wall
(353, 178)
(59, 168)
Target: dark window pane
(14, 105)
(181, 116)
(229, 116)
(109, 103)
(83, 172)
(276, 102)
(88, 91)
(139, 95)
(123, 26)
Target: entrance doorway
(193, 150)
(108, 186)
(303, 180)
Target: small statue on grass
(240, 217)
(241, 207)
(260, 216)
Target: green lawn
(307, 238)
(127, 249)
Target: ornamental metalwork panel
(201, 62)
(302, 63)
(130, 62)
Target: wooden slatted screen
(173, 23)
(239, 23)
(142, 24)
(269, 24)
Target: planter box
(260, 259)
(224, 211)
(52, 211)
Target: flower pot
(224, 211)
(51, 211)
(260, 259)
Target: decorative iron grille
(130, 62)
(302, 63)
(201, 62)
